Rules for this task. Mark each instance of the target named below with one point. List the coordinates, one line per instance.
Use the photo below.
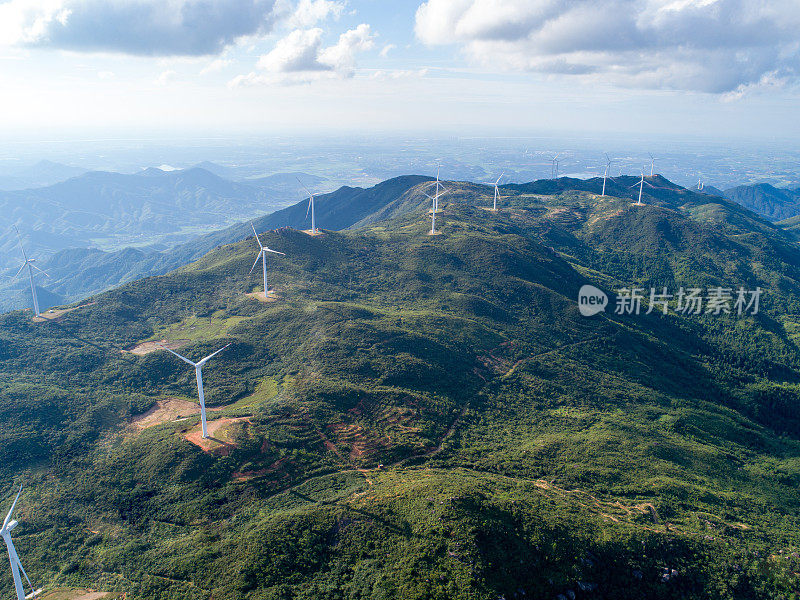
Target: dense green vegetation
(428, 416)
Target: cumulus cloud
(310, 12)
(386, 49)
(718, 46)
(140, 27)
(301, 57)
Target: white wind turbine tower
(652, 163)
(310, 208)
(13, 557)
(198, 370)
(439, 190)
(497, 191)
(641, 187)
(605, 174)
(262, 256)
(29, 263)
(435, 207)
(554, 168)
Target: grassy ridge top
(427, 416)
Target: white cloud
(216, 65)
(386, 49)
(140, 27)
(298, 51)
(301, 57)
(310, 12)
(342, 56)
(700, 45)
(105, 75)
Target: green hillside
(424, 416)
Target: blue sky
(708, 68)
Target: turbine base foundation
(272, 297)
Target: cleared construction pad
(273, 296)
(148, 347)
(166, 411)
(221, 435)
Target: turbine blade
(28, 579)
(11, 510)
(310, 200)
(304, 187)
(260, 254)
(214, 354)
(21, 247)
(25, 264)
(38, 269)
(274, 251)
(255, 234)
(183, 358)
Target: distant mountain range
(102, 270)
(773, 203)
(43, 173)
(151, 208)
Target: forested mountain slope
(421, 416)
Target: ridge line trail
(545, 352)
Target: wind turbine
(497, 191)
(262, 256)
(652, 163)
(554, 169)
(198, 370)
(605, 174)
(13, 557)
(439, 190)
(641, 187)
(29, 263)
(310, 208)
(435, 203)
